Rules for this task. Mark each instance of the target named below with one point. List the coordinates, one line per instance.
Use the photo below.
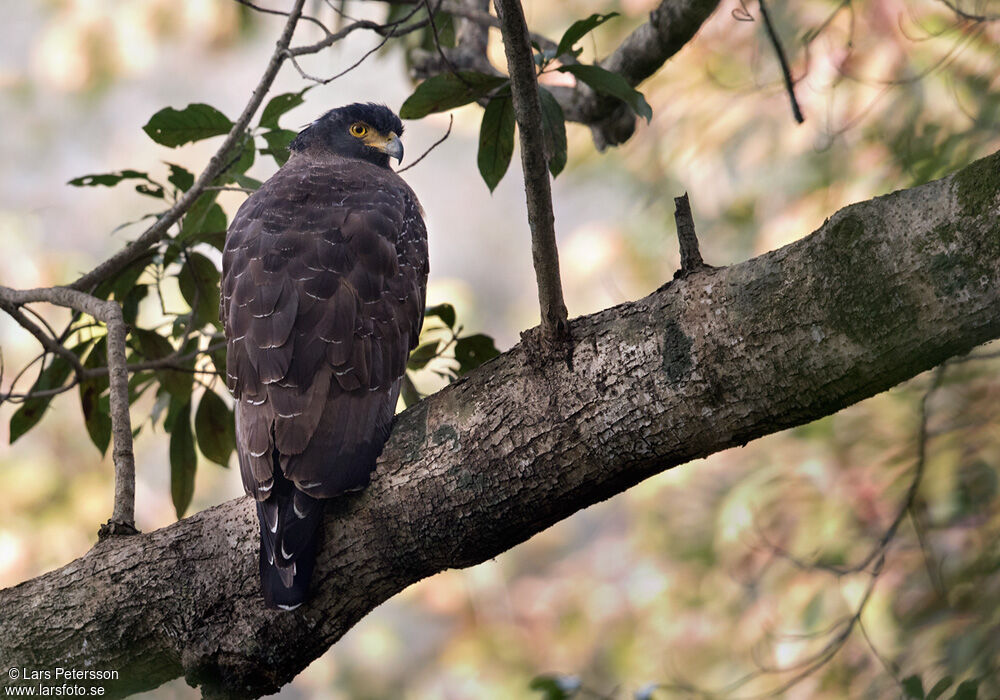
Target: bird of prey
(323, 280)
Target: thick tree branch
(671, 25)
(537, 188)
(884, 290)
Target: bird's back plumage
(324, 275)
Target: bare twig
(779, 51)
(47, 341)
(269, 11)
(451, 121)
(528, 113)
(687, 239)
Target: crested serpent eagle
(323, 281)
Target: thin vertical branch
(123, 515)
(786, 72)
(687, 239)
(538, 191)
(110, 313)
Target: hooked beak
(394, 147)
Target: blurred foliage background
(695, 578)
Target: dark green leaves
(277, 144)
(473, 350)
(938, 689)
(171, 127)
(578, 29)
(107, 179)
(199, 283)
(154, 346)
(183, 460)
(278, 105)
(447, 91)
(150, 187)
(202, 217)
(54, 376)
(213, 424)
(554, 131)
(423, 354)
(94, 399)
(967, 690)
(444, 312)
(496, 140)
(180, 177)
(608, 83)
(913, 687)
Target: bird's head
(364, 131)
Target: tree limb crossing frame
(884, 290)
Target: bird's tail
(289, 535)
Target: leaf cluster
(447, 91)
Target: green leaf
(94, 401)
(578, 29)
(278, 105)
(199, 283)
(246, 181)
(219, 361)
(247, 151)
(122, 284)
(171, 127)
(54, 376)
(447, 91)
(608, 83)
(408, 391)
(445, 312)
(554, 130)
(445, 26)
(214, 427)
(277, 144)
(155, 191)
(913, 687)
(196, 217)
(473, 350)
(939, 688)
(423, 354)
(108, 179)
(180, 177)
(154, 346)
(496, 140)
(966, 690)
(130, 303)
(183, 460)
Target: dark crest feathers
(377, 116)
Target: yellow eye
(358, 129)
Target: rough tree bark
(884, 290)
